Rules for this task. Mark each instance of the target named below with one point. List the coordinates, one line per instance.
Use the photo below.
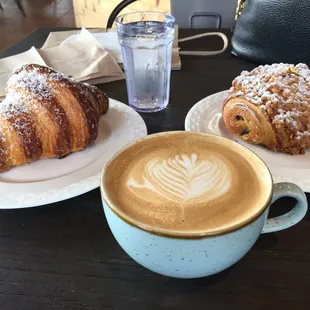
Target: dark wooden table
(63, 256)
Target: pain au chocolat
(47, 115)
(270, 105)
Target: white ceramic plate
(108, 40)
(52, 180)
(205, 116)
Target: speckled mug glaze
(182, 257)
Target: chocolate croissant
(47, 115)
(271, 106)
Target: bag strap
(205, 53)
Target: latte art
(184, 177)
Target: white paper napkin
(84, 59)
(108, 40)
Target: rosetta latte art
(182, 178)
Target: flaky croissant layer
(47, 115)
(270, 105)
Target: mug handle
(292, 217)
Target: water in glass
(147, 52)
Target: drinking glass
(146, 41)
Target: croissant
(47, 115)
(270, 105)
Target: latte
(187, 183)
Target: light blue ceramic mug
(194, 255)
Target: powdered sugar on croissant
(46, 114)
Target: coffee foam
(185, 182)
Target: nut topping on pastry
(270, 105)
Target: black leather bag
(269, 31)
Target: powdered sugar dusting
(37, 83)
(284, 83)
(282, 92)
(13, 105)
(37, 95)
(22, 88)
(26, 86)
(15, 116)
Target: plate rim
(303, 184)
(76, 188)
(196, 106)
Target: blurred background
(18, 18)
